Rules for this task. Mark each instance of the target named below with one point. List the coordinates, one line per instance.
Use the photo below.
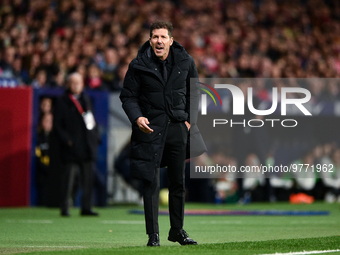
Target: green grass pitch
(115, 231)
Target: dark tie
(165, 72)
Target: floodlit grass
(116, 231)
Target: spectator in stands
(40, 80)
(17, 71)
(32, 67)
(71, 63)
(333, 91)
(58, 78)
(47, 64)
(45, 106)
(331, 175)
(304, 177)
(94, 80)
(254, 183)
(42, 153)
(6, 63)
(226, 185)
(82, 70)
(118, 82)
(109, 67)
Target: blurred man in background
(76, 129)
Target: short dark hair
(161, 24)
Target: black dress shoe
(88, 213)
(65, 214)
(180, 236)
(153, 240)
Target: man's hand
(187, 124)
(143, 123)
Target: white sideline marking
(30, 221)
(132, 222)
(54, 246)
(221, 222)
(310, 222)
(256, 223)
(304, 252)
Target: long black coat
(146, 94)
(69, 125)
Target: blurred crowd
(313, 176)
(42, 41)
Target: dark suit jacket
(69, 126)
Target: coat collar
(179, 53)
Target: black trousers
(174, 156)
(85, 170)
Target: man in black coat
(76, 130)
(157, 97)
